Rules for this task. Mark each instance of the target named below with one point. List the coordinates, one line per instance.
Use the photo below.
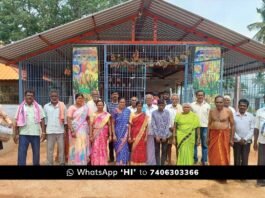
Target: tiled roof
(8, 72)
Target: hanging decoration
(117, 61)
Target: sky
(233, 14)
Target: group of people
(143, 133)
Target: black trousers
(111, 152)
(261, 160)
(241, 153)
(160, 158)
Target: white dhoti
(151, 159)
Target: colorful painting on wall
(206, 75)
(85, 70)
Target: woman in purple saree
(121, 126)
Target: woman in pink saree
(78, 123)
(99, 133)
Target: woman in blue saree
(121, 134)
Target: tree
(260, 26)
(17, 20)
(229, 83)
(259, 82)
(23, 18)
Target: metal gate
(128, 78)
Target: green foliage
(23, 18)
(229, 83)
(259, 82)
(260, 26)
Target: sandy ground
(116, 188)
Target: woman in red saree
(100, 132)
(138, 136)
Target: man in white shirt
(201, 108)
(173, 109)
(92, 107)
(56, 123)
(227, 103)
(133, 104)
(149, 108)
(244, 129)
(259, 140)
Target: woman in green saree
(187, 123)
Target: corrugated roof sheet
(158, 7)
(8, 72)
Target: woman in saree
(99, 133)
(139, 122)
(78, 124)
(187, 123)
(121, 126)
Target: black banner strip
(132, 172)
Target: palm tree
(260, 26)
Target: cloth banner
(85, 70)
(206, 75)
